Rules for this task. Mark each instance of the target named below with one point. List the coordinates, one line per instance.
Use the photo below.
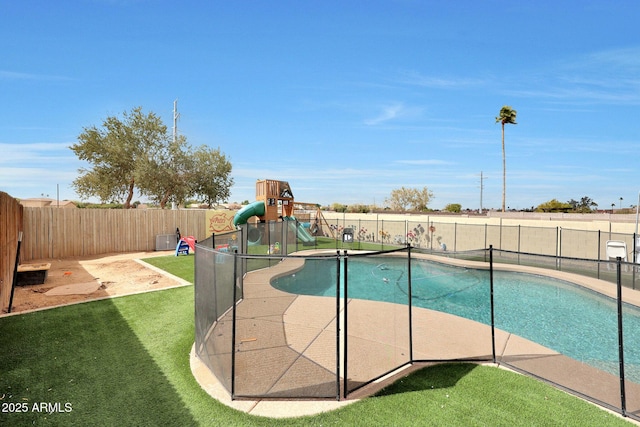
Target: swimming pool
(572, 320)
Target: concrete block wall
(576, 236)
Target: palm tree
(507, 116)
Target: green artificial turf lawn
(181, 266)
(125, 362)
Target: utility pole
(176, 116)
(482, 178)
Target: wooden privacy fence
(52, 233)
(10, 227)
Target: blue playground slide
(303, 233)
(252, 209)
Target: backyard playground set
(275, 202)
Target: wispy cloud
(578, 94)
(36, 146)
(36, 154)
(424, 162)
(394, 111)
(14, 75)
(627, 58)
(607, 77)
(389, 112)
(32, 181)
(329, 174)
(417, 79)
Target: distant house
(43, 202)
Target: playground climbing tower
(277, 197)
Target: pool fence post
(233, 326)
(623, 399)
(338, 326)
(406, 231)
(455, 235)
(635, 260)
(599, 242)
(244, 243)
(493, 329)
(559, 248)
(346, 319)
(519, 234)
(485, 241)
(267, 234)
(213, 265)
(410, 303)
(431, 231)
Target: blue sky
(344, 100)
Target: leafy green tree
(400, 199)
(586, 202)
(553, 205)
(164, 175)
(136, 152)
(507, 116)
(358, 208)
(585, 205)
(403, 199)
(453, 207)
(421, 199)
(116, 152)
(209, 178)
(338, 207)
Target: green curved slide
(252, 209)
(257, 209)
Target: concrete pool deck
(309, 328)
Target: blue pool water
(565, 317)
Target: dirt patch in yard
(84, 279)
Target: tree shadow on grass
(443, 375)
(84, 365)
